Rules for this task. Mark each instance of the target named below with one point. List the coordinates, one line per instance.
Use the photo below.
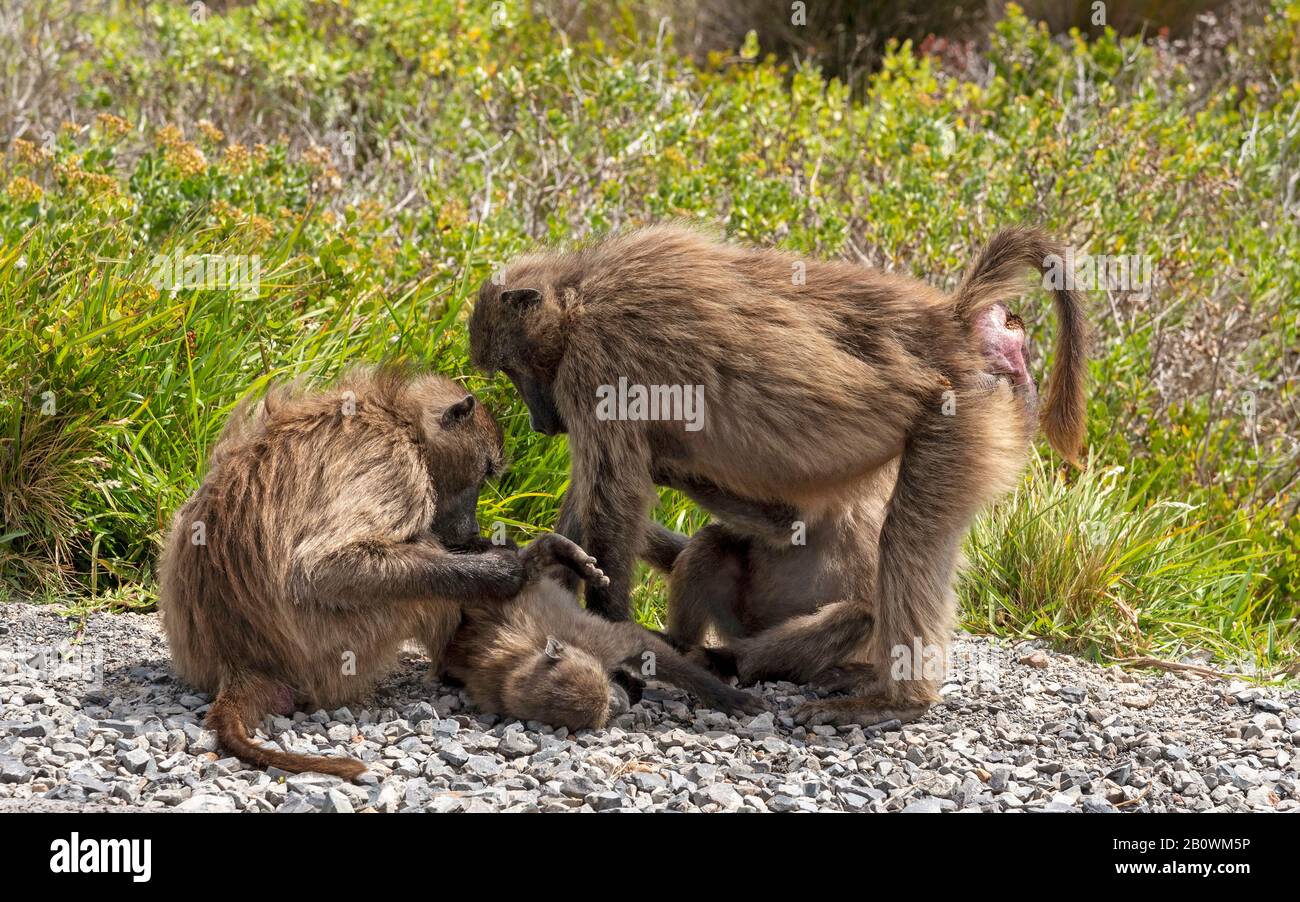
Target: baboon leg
(802, 647)
(770, 520)
(864, 710)
(706, 587)
(437, 627)
(365, 573)
(661, 546)
(951, 467)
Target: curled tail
(997, 273)
(246, 696)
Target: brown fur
(319, 510)
(541, 657)
(745, 573)
(814, 392)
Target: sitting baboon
(331, 527)
(759, 564)
(817, 376)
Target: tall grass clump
(1096, 565)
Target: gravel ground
(1023, 729)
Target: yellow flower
(188, 159)
(29, 153)
(24, 191)
(237, 158)
(261, 226)
(170, 136)
(210, 131)
(113, 126)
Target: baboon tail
(226, 719)
(997, 273)
(660, 546)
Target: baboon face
(469, 446)
(519, 332)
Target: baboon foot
(547, 552)
(738, 701)
(850, 677)
(864, 710)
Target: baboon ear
(458, 411)
(554, 648)
(521, 297)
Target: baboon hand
(554, 549)
(719, 660)
(846, 678)
(735, 701)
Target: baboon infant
(823, 382)
(331, 527)
(541, 657)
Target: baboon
(331, 527)
(817, 375)
(747, 571)
(542, 657)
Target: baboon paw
(553, 548)
(738, 702)
(846, 678)
(593, 574)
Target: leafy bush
(383, 156)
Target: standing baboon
(816, 376)
(754, 567)
(330, 528)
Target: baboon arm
(802, 647)
(673, 668)
(613, 501)
(770, 520)
(369, 572)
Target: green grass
(456, 137)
